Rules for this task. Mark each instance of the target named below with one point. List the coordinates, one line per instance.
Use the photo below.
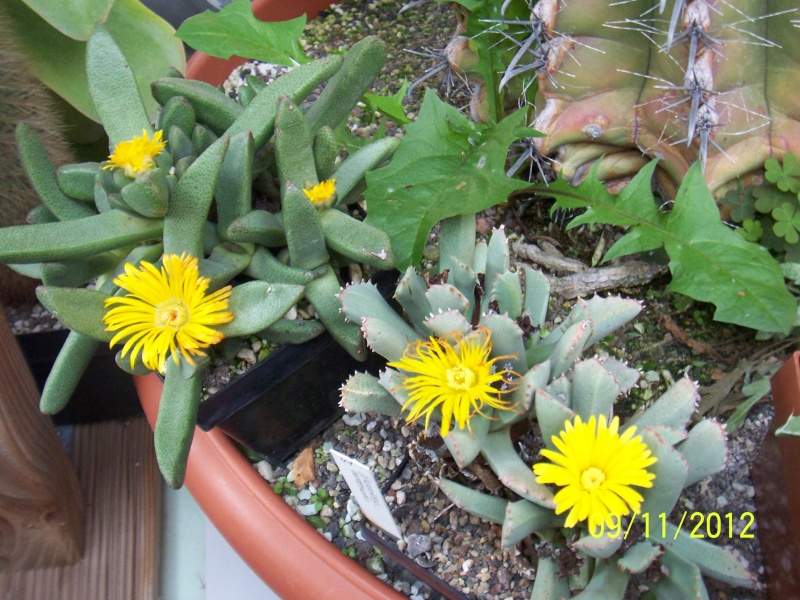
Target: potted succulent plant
(472, 360)
(139, 225)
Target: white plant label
(367, 493)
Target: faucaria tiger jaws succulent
(473, 357)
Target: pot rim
(258, 524)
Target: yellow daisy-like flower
(137, 155)
(456, 377)
(322, 192)
(596, 466)
(166, 312)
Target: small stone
(417, 544)
(722, 501)
(353, 419)
(400, 497)
(307, 510)
(247, 355)
(266, 471)
(304, 495)
(374, 565)
(326, 512)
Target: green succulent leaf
(257, 304)
(79, 309)
(639, 556)
(444, 166)
(484, 506)
(146, 40)
(75, 355)
(790, 428)
(708, 261)
(364, 393)
(177, 416)
(549, 585)
(524, 518)
(75, 19)
(235, 30)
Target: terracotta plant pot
(277, 543)
(216, 70)
(776, 477)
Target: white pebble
(400, 497)
(247, 355)
(307, 510)
(266, 471)
(304, 495)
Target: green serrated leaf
(235, 30)
(445, 166)
(391, 106)
(709, 261)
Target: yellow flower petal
(166, 312)
(322, 192)
(596, 468)
(137, 155)
(455, 375)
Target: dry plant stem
(553, 262)
(585, 281)
(591, 281)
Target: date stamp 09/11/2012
(700, 525)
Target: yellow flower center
(173, 314)
(461, 377)
(592, 478)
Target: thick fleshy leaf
(524, 518)
(177, 417)
(79, 309)
(75, 19)
(512, 471)
(670, 471)
(257, 304)
(464, 444)
(474, 502)
(705, 450)
(602, 546)
(364, 393)
(640, 556)
(146, 40)
(673, 409)
(549, 585)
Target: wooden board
(116, 467)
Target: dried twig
(553, 262)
